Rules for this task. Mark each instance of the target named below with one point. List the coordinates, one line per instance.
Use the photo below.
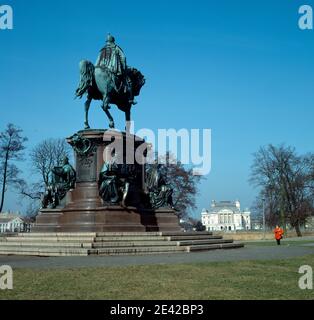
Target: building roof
(224, 203)
(8, 217)
(225, 206)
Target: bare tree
(286, 181)
(196, 224)
(31, 211)
(11, 147)
(33, 191)
(272, 213)
(183, 182)
(47, 155)
(44, 157)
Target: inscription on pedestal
(87, 168)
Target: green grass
(272, 279)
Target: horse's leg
(128, 120)
(87, 105)
(105, 107)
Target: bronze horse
(100, 84)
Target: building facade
(13, 223)
(309, 225)
(226, 216)
(256, 224)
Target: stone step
(133, 244)
(202, 242)
(35, 251)
(192, 237)
(56, 234)
(62, 238)
(136, 250)
(155, 238)
(158, 243)
(47, 251)
(114, 251)
(104, 234)
(131, 238)
(188, 233)
(61, 244)
(128, 234)
(17, 244)
(43, 253)
(215, 246)
(47, 239)
(110, 243)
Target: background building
(11, 222)
(226, 216)
(309, 225)
(257, 223)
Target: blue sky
(241, 68)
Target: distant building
(10, 222)
(186, 225)
(256, 224)
(226, 216)
(309, 223)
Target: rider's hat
(110, 38)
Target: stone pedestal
(83, 209)
(106, 219)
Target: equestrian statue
(110, 80)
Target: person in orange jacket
(278, 234)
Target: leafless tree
(183, 183)
(44, 157)
(286, 182)
(11, 147)
(196, 224)
(47, 155)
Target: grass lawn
(272, 279)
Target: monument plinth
(84, 210)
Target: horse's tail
(86, 78)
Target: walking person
(278, 234)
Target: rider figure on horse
(112, 58)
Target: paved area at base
(246, 253)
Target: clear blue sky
(242, 68)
